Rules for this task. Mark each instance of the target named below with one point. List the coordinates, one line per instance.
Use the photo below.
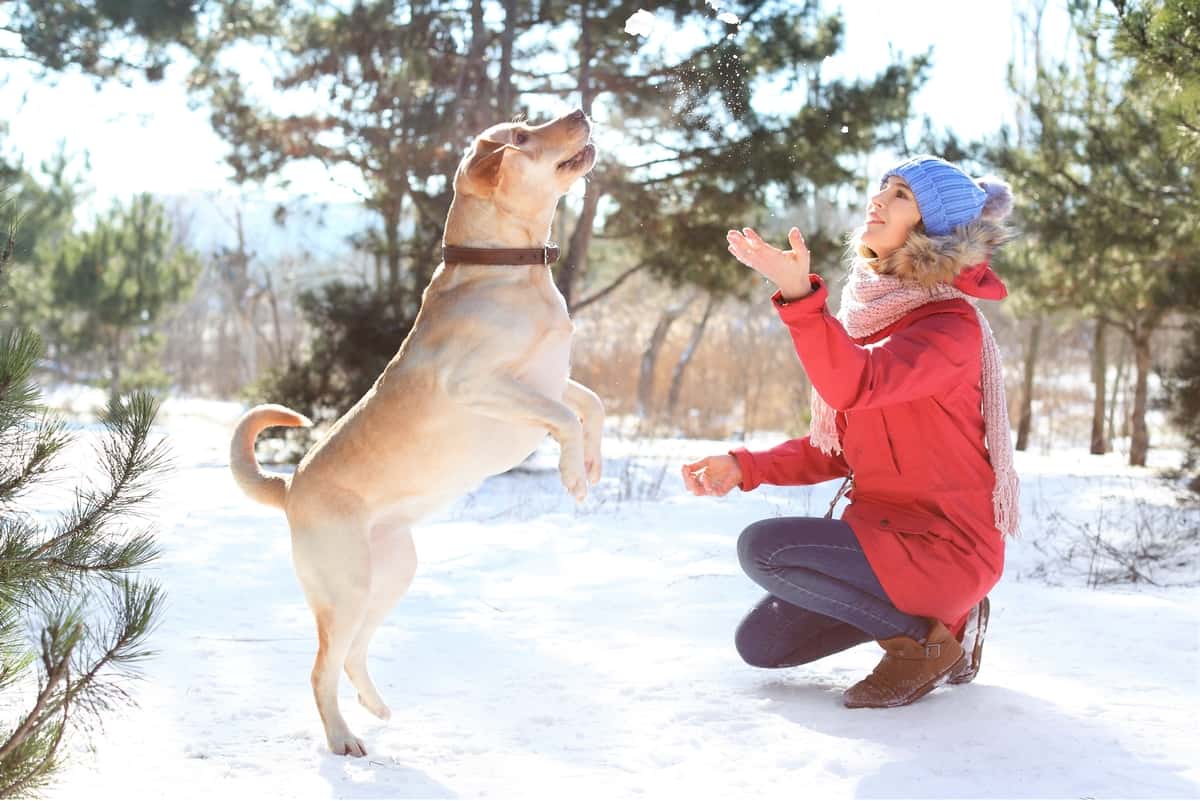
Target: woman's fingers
(691, 473)
(796, 239)
(709, 476)
(686, 475)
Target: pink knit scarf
(872, 302)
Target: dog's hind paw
(574, 476)
(376, 707)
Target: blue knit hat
(946, 196)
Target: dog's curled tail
(249, 476)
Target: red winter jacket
(909, 418)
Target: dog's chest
(549, 362)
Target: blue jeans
(823, 595)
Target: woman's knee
(754, 644)
(752, 544)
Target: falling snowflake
(640, 24)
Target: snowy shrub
(1135, 542)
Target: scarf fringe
(823, 428)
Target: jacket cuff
(751, 477)
(812, 302)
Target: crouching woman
(908, 403)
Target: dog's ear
(483, 168)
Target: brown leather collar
(453, 254)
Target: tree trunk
(472, 82)
(685, 358)
(1118, 382)
(114, 366)
(586, 92)
(277, 352)
(506, 96)
(575, 265)
(1139, 439)
(1031, 354)
(645, 393)
(1099, 370)
(390, 211)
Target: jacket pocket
(869, 447)
(909, 523)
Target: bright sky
(146, 137)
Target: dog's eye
(521, 137)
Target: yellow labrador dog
(476, 385)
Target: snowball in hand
(640, 24)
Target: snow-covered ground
(547, 650)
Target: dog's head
(524, 166)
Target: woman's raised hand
(787, 269)
(712, 475)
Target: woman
(908, 405)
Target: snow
(548, 650)
(641, 23)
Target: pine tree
(1104, 187)
(110, 284)
(105, 38)
(1183, 395)
(74, 621)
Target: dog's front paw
(594, 466)
(574, 479)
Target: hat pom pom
(999, 200)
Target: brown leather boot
(909, 670)
(972, 642)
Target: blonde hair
(857, 251)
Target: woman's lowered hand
(712, 475)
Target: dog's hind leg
(333, 565)
(393, 564)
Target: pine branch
(28, 754)
(23, 579)
(18, 397)
(41, 744)
(602, 293)
(130, 460)
(15, 657)
(133, 609)
(111, 558)
(49, 439)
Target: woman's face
(892, 213)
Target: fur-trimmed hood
(960, 258)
